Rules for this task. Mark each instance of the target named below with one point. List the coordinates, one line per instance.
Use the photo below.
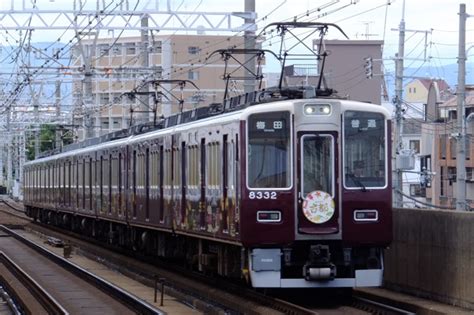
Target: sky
(436, 22)
(356, 17)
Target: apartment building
(354, 68)
(118, 68)
(439, 151)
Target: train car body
(290, 193)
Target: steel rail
(381, 306)
(50, 304)
(133, 302)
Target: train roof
(230, 110)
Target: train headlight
(317, 109)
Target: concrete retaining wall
(432, 255)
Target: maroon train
(289, 193)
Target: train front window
(318, 163)
(365, 150)
(269, 153)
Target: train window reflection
(364, 150)
(269, 150)
(318, 161)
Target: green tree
(47, 138)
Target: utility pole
(9, 152)
(461, 114)
(87, 97)
(249, 37)
(57, 93)
(2, 150)
(144, 107)
(34, 99)
(21, 162)
(398, 176)
(88, 120)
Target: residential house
(439, 149)
(416, 91)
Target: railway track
(210, 296)
(7, 304)
(379, 307)
(28, 295)
(68, 289)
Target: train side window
(134, 183)
(85, 179)
(218, 169)
(147, 183)
(52, 184)
(62, 182)
(78, 182)
(101, 183)
(69, 183)
(44, 183)
(193, 166)
(59, 169)
(37, 184)
(176, 169)
(83, 183)
(182, 166)
(40, 183)
(109, 182)
(167, 168)
(94, 183)
(48, 183)
(90, 183)
(225, 177)
(161, 183)
(78, 179)
(236, 147)
(225, 163)
(208, 168)
(210, 165)
(120, 189)
(60, 179)
(213, 165)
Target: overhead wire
(21, 84)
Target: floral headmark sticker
(318, 207)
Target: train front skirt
(265, 272)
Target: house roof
(442, 85)
(452, 101)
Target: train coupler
(314, 273)
(319, 266)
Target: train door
(317, 189)
(167, 190)
(155, 170)
(122, 183)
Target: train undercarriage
(303, 264)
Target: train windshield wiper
(357, 181)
